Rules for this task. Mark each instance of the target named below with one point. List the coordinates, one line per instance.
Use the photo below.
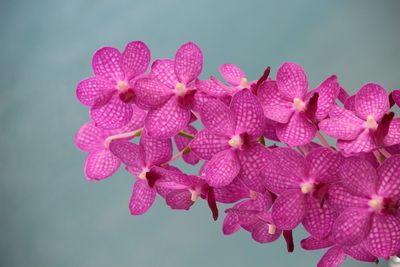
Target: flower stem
(323, 141)
(385, 153)
(132, 134)
(379, 157)
(186, 134)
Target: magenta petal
(318, 221)
(129, 153)
(365, 142)
(232, 192)
(328, 91)
(360, 253)
(312, 243)
(292, 80)
(289, 209)
(188, 62)
(101, 164)
(285, 169)
(106, 63)
(341, 128)
(205, 144)
(275, 106)
(384, 238)
(221, 169)
(168, 120)
(252, 160)
(393, 136)
(183, 142)
(179, 199)
(350, 103)
(248, 112)
(340, 199)
(163, 71)
(334, 257)
(142, 197)
(260, 233)
(94, 91)
(135, 59)
(231, 223)
(157, 151)
(324, 164)
(389, 181)
(114, 114)
(211, 88)
(89, 137)
(217, 117)
(372, 99)
(299, 131)
(151, 93)
(352, 226)
(396, 97)
(231, 73)
(136, 122)
(358, 176)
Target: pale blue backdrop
(51, 216)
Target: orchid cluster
(262, 148)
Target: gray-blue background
(51, 216)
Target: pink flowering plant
(262, 148)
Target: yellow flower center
(142, 175)
(195, 195)
(244, 83)
(376, 203)
(180, 89)
(235, 142)
(298, 104)
(371, 123)
(122, 86)
(307, 187)
(271, 229)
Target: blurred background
(51, 216)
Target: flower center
(142, 175)
(371, 123)
(122, 86)
(307, 187)
(195, 195)
(298, 104)
(180, 89)
(244, 83)
(271, 229)
(376, 203)
(236, 142)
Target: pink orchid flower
(301, 184)
(368, 200)
(287, 102)
(109, 93)
(140, 160)
(359, 128)
(229, 141)
(337, 254)
(100, 162)
(168, 91)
